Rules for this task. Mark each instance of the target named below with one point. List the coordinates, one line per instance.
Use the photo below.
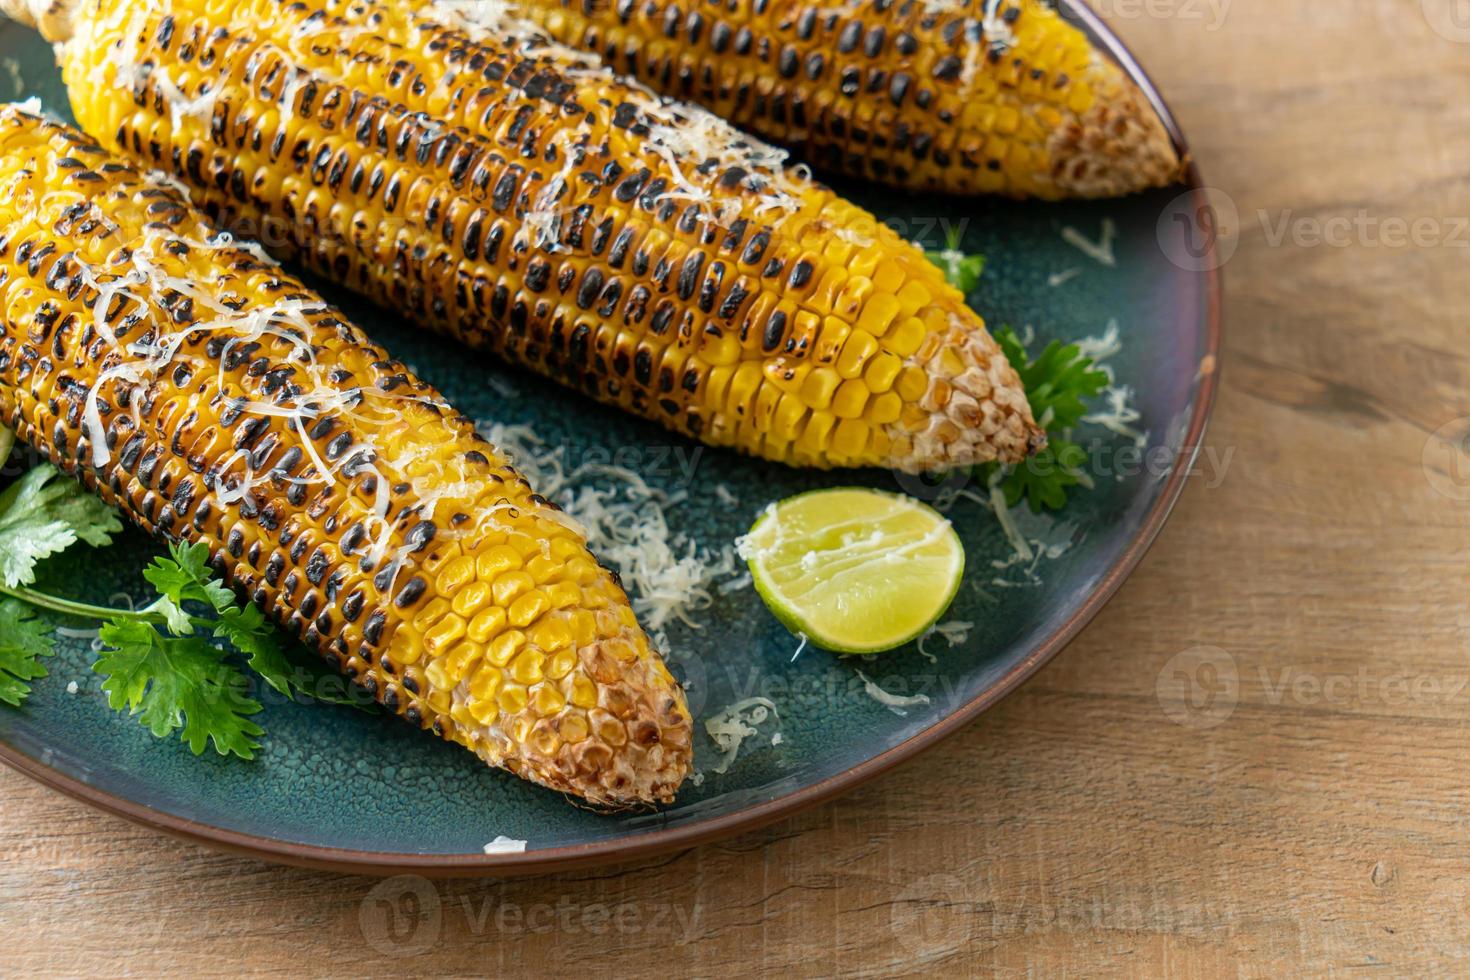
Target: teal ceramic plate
(336, 787)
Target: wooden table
(1312, 816)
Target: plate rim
(660, 841)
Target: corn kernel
(448, 629)
(469, 598)
(486, 624)
(881, 372)
(905, 338)
(819, 387)
(855, 353)
(456, 574)
(486, 681)
(561, 664)
(503, 647)
(549, 700)
(512, 698)
(526, 668)
(551, 634)
(563, 594)
(485, 712)
(584, 627)
(878, 314)
(525, 610)
(510, 585)
(430, 614)
(850, 399)
(913, 382)
(584, 692)
(885, 409)
(491, 563)
(850, 438)
(573, 728)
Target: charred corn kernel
(850, 398)
(487, 623)
(415, 157)
(1013, 67)
(503, 647)
(388, 582)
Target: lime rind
(856, 571)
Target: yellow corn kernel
(445, 632)
(881, 372)
(526, 668)
(584, 627)
(855, 353)
(469, 598)
(551, 634)
(789, 413)
(503, 647)
(561, 664)
(486, 624)
(485, 711)
(813, 438)
(430, 614)
(525, 610)
(573, 728)
(885, 409)
(912, 383)
(542, 568)
(584, 692)
(820, 385)
(905, 339)
(563, 594)
(548, 700)
(456, 573)
(512, 699)
(878, 314)
(830, 338)
(850, 438)
(486, 682)
(510, 585)
(850, 399)
(499, 559)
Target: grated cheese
(733, 724)
(1062, 278)
(893, 702)
(1100, 251)
(953, 633)
(505, 845)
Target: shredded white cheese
(505, 845)
(1062, 278)
(953, 633)
(1100, 251)
(893, 702)
(733, 724)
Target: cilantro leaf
(23, 640)
(1056, 382)
(1044, 479)
(246, 628)
(41, 515)
(962, 269)
(175, 683)
(186, 575)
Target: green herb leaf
(247, 629)
(186, 575)
(1044, 479)
(962, 269)
(1056, 382)
(175, 683)
(43, 513)
(23, 640)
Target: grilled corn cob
(512, 193)
(962, 96)
(214, 398)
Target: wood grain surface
(1253, 762)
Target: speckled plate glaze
(339, 788)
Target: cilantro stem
(85, 610)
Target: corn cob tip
(976, 405)
(1118, 146)
(53, 18)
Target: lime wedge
(854, 570)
